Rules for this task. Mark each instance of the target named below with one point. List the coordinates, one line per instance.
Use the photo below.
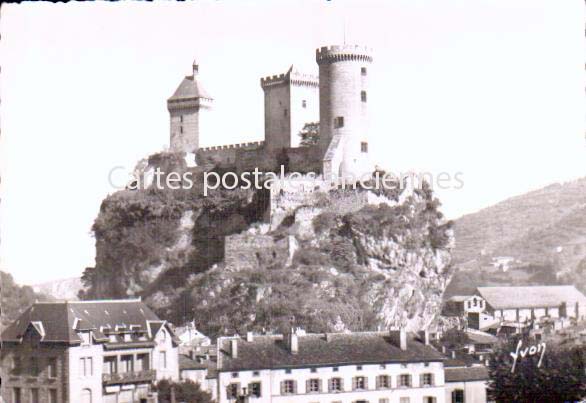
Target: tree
(186, 391)
(309, 134)
(559, 378)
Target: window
(163, 359)
(126, 364)
(383, 400)
(142, 362)
(363, 71)
(110, 365)
(335, 385)
(52, 367)
(34, 395)
(359, 383)
(313, 386)
(359, 367)
(255, 373)
(364, 147)
(285, 112)
(304, 104)
(404, 400)
(287, 371)
(232, 390)
(475, 302)
(335, 369)
(313, 370)
(254, 389)
(458, 396)
(234, 374)
(288, 387)
(382, 366)
(404, 380)
(429, 399)
(16, 365)
(426, 379)
(181, 118)
(469, 304)
(34, 368)
(180, 129)
(86, 366)
(338, 122)
(85, 338)
(52, 395)
(383, 382)
(17, 395)
(363, 96)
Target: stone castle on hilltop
(337, 99)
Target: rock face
(338, 259)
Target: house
(201, 372)
(87, 351)
(519, 304)
(375, 367)
(462, 305)
(465, 384)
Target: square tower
(291, 101)
(189, 110)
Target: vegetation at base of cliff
(15, 299)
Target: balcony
(129, 377)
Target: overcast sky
(492, 89)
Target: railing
(129, 377)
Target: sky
(494, 90)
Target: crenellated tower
(343, 93)
(189, 113)
(291, 101)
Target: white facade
(272, 382)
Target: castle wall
(249, 251)
(226, 156)
(304, 159)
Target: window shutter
(307, 386)
(330, 385)
(282, 387)
(421, 379)
(354, 383)
(378, 381)
(319, 385)
(294, 386)
(365, 382)
(341, 384)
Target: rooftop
(190, 88)
(466, 374)
(531, 296)
(270, 352)
(59, 322)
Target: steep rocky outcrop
(382, 263)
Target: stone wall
(249, 251)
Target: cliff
(338, 259)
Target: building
(520, 304)
(87, 351)
(465, 384)
(461, 305)
(375, 367)
(338, 99)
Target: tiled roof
(187, 363)
(481, 338)
(460, 298)
(60, 319)
(531, 296)
(266, 352)
(466, 374)
(189, 88)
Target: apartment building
(367, 367)
(87, 351)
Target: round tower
(343, 107)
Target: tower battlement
(337, 53)
(293, 77)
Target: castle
(337, 99)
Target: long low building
(375, 367)
(518, 304)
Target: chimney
(234, 348)
(294, 343)
(399, 338)
(444, 349)
(249, 337)
(195, 67)
(453, 354)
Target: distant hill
(61, 289)
(535, 238)
(15, 299)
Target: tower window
(363, 71)
(304, 104)
(363, 96)
(339, 122)
(285, 112)
(180, 129)
(364, 147)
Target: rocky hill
(383, 263)
(535, 238)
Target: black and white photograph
(301, 201)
